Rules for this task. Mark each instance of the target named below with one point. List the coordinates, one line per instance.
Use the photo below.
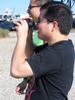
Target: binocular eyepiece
(31, 24)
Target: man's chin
(30, 16)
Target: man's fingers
(17, 88)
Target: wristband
(27, 79)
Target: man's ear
(55, 24)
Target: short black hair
(57, 11)
(41, 2)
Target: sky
(18, 6)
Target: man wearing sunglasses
(51, 65)
(34, 11)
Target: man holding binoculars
(34, 11)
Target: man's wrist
(27, 79)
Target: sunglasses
(38, 21)
(33, 6)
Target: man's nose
(28, 11)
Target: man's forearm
(30, 46)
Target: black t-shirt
(53, 68)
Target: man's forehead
(32, 2)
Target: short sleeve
(46, 62)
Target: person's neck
(57, 39)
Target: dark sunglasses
(33, 6)
(38, 21)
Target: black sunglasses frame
(38, 21)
